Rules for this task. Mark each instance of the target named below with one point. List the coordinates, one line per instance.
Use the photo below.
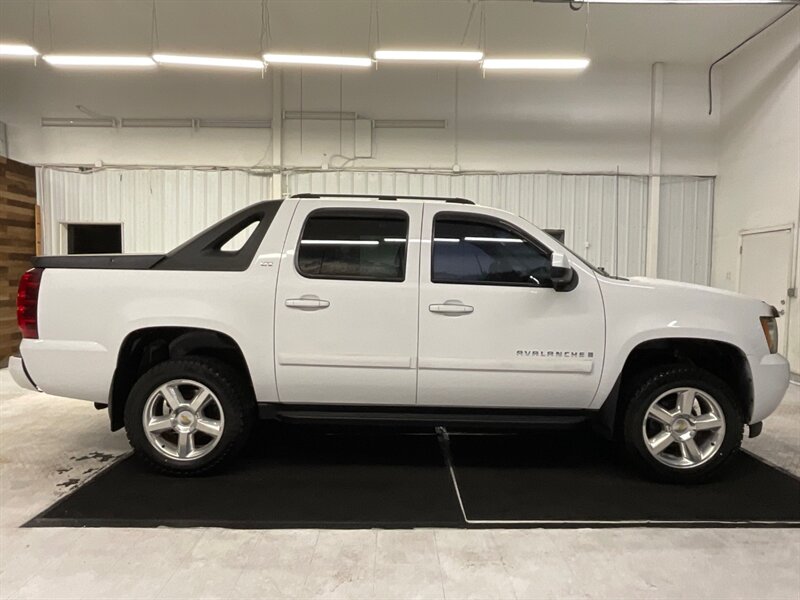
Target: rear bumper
(74, 369)
(770, 382)
(19, 374)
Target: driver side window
(486, 253)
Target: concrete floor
(49, 445)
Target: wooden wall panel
(17, 243)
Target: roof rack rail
(308, 195)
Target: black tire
(235, 399)
(660, 381)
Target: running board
(425, 416)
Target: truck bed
(98, 261)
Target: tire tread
(654, 379)
(241, 419)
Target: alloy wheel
(684, 428)
(183, 419)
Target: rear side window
(356, 244)
(486, 253)
(229, 245)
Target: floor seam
(439, 562)
(188, 553)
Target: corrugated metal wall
(158, 208)
(604, 217)
(684, 227)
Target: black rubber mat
(576, 478)
(303, 477)
(287, 478)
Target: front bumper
(770, 382)
(19, 374)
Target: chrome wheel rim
(684, 428)
(183, 419)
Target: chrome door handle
(451, 309)
(307, 303)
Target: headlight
(770, 327)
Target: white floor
(48, 445)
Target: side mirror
(561, 274)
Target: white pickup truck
(400, 310)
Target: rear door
(346, 304)
(493, 331)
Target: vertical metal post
(277, 131)
(654, 197)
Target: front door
(493, 331)
(765, 272)
(346, 304)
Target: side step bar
(425, 416)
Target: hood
(689, 287)
(699, 292)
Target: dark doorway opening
(94, 239)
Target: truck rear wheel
(682, 424)
(187, 416)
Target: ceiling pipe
(735, 48)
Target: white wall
(686, 207)
(595, 121)
(157, 208)
(758, 182)
(603, 216)
(29, 93)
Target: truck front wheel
(186, 416)
(682, 424)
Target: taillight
(27, 300)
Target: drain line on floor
(444, 444)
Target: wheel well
(145, 348)
(724, 360)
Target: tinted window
(482, 253)
(360, 245)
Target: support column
(656, 114)
(277, 131)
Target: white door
(765, 272)
(493, 331)
(346, 304)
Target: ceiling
(683, 34)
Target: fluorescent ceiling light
(533, 64)
(77, 122)
(495, 240)
(323, 61)
(319, 115)
(209, 61)
(430, 55)
(235, 123)
(157, 122)
(64, 60)
(409, 123)
(17, 50)
(339, 242)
